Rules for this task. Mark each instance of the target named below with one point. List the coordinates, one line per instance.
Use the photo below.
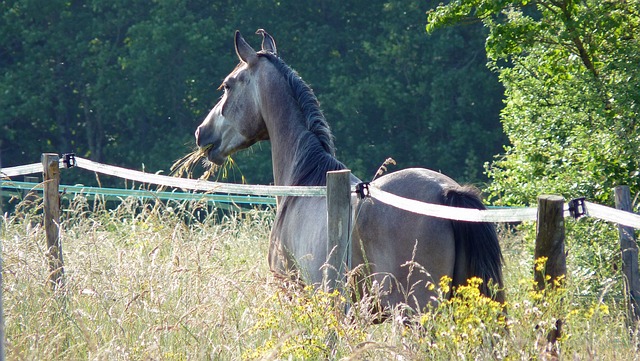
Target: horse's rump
(478, 251)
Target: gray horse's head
(236, 121)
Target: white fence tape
(21, 170)
(613, 215)
(198, 184)
(434, 210)
(458, 214)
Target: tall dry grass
(150, 281)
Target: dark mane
(315, 151)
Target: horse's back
(429, 184)
(391, 238)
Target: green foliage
(421, 100)
(571, 78)
(571, 112)
(127, 82)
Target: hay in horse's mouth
(186, 164)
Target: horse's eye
(226, 87)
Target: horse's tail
(478, 251)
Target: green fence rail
(19, 189)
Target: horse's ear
(268, 43)
(245, 51)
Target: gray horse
(264, 99)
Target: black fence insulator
(69, 160)
(577, 207)
(362, 190)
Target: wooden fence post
(51, 171)
(338, 226)
(629, 251)
(550, 241)
(2, 333)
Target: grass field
(176, 282)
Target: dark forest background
(126, 82)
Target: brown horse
(264, 99)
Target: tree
(126, 82)
(111, 81)
(571, 78)
(28, 101)
(391, 91)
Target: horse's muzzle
(198, 138)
